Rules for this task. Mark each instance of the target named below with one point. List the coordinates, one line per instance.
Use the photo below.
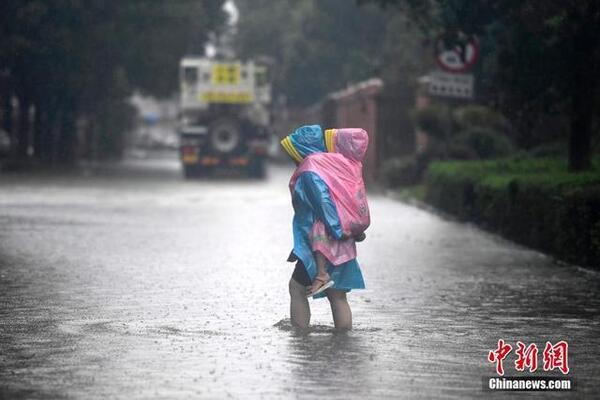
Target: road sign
(451, 85)
(226, 74)
(457, 52)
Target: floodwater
(130, 282)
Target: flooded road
(130, 282)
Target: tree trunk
(49, 132)
(66, 137)
(584, 66)
(24, 125)
(7, 117)
(7, 108)
(90, 136)
(38, 131)
(580, 138)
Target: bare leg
(299, 308)
(342, 315)
(321, 265)
(322, 274)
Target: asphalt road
(130, 282)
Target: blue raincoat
(311, 201)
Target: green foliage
(434, 120)
(79, 59)
(536, 202)
(406, 171)
(539, 59)
(481, 132)
(549, 170)
(457, 151)
(320, 46)
(329, 41)
(410, 193)
(465, 133)
(486, 143)
(478, 116)
(552, 149)
(472, 131)
(400, 171)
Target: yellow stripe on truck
(227, 97)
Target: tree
(317, 45)
(542, 59)
(76, 61)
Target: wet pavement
(130, 282)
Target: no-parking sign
(456, 52)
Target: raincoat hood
(352, 143)
(304, 141)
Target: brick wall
(384, 112)
(356, 107)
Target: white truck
(224, 116)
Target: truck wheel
(189, 172)
(225, 136)
(257, 168)
(195, 171)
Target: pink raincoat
(341, 170)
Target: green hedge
(535, 202)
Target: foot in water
(320, 284)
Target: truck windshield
(190, 75)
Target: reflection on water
(326, 362)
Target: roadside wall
(383, 111)
(356, 107)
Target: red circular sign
(456, 52)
